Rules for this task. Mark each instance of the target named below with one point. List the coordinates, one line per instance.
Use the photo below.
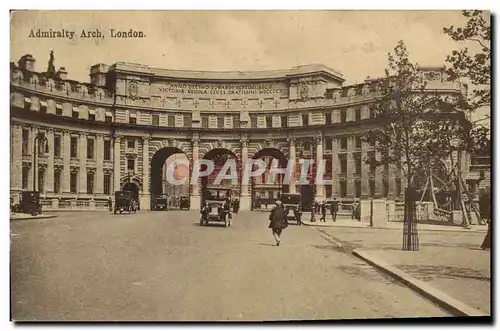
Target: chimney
(27, 62)
(98, 74)
(62, 73)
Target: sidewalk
(20, 216)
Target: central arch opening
(264, 194)
(227, 187)
(160, 187)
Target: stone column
(99, 185)
(145, 196)
(245, 200)
(351, 167)
(379, 183)
(293, 161)
(195, 199)
(82, 153)
(365, 172)
(320, 189)
(116, 165)
(335, 168)
(16, 172)
(65, 176)
(49, 182)
(34, 167)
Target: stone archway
(263, 194)
(156, 174)
(219, 156)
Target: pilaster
(82, 185)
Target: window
(269, 121)
(236, 121)
(357, 112)
(284, 122)
(57, 146)
(343, 116)
(131, 143)
(372, 188)
(171, 120)
(92, 117)
(72, 182)
(343, 188)
(108, 119)
(385, 186)
(328, 143)
(74, 114)
(90, 148)
(107, 184)
(253, 122)
(74, 147)
(398, 187)
(357, 188)
(26, 137)
(343, 143)
(357, 161)
(90, 183)
(132, 119)
(58, 111)
(107, 150)
(156, 119)
(57, 181)
(131, 164)
(188, 121)
(43, 110)
(358, 142)
(305, 119)
(343, 164)
(328, 190)
(41, 180)
(220, 122)
(26, 172)
(204, 122)
(328, 118)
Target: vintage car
(292, 205)
(213, 208)
(124, 202)
(30, 203)
(161, 203)
(184, 202)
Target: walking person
(334, 209)
(323, 211)
(354, 210)
(277, 221)
(110, 204)
(485, 211)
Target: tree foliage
(472, 62)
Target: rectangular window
(188, 121)
(328, 143)
(385, 186)
(58, 112)
(108, 119)
(26, 137)
(57, 146)
(90, 183)
(131, 164)
(269, 121)
(107, 150)
(131, 143)
(57, 181)
(357, 161)
(284, 122)
(92, 117)
(72, 182)
(358, 142)
(398, 187)
(74, 147)
(372, 188)
(305, 119)
(343, 116)
(204, 122)
(90, 148)
(343, 164)
(357, 187)
(328, 118)
(132, 120)
(171, 120)
(107, 184)
(343, 143)
(74, 114)
(357, 112)
(253, 122)
(41, 181)
(220, 122)
(26, 172)
(236, 121)
(343, 188)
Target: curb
(440, 298)
(329, 225)
(33, 217)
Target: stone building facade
(117, 130)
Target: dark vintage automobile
(161, 203)
(216, 207)
(30, 203)
(184, 203)
(124, 202)
(292, 205)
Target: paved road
(164, 266)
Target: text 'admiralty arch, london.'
(116, 132)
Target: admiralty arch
(117, 131)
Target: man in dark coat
(334, 209)
(485, 211)
(322, 207)
(277, 221)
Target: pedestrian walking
(334, 209)
(110, 204)
(487, 240)
(277, 221)
(354, 210)
(323, 211)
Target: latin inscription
(222, 89)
